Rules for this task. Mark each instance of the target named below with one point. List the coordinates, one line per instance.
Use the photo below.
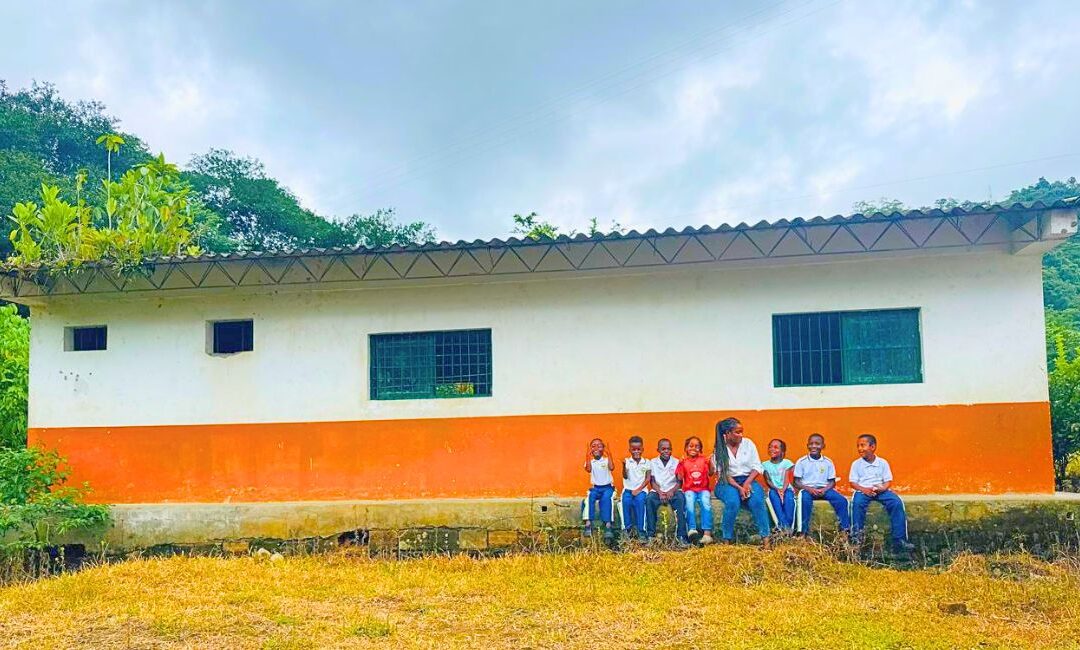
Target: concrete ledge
(979, 522)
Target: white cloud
(742, 197)
(624, 151)
(171, 91)
(825, 182)
(917, 67)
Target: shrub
(1064, 407)
(14, 373)
(36, 502)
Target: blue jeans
(784, 512)
(693, 500)
(678, 506)
(601, 498)
(894, 507)
(733, 501)
(805, 505)
(633, 511)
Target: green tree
(257, 212)
(45, 139)
(381, 229)
(1064, 405)
(1045, 191)
(884, 205)
(14, 376)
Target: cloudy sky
(649, 114)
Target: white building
(481, 370)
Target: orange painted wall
(988, 448)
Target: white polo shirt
(600, 472)
(636, 472)
(870, 474)
(664, 475)
(815, 473)
(744, 460)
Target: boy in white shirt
(871, 477)
(665, 492)
(815, 479)
(599, 465)
(635, 475)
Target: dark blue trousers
(805, 507)
(678, 506)
(633, 511)
(894, 507)
(601, 501)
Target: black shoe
(903, 546)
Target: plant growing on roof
(149, 211)
(533, 227)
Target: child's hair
(722, 428)
(595, 440)
(869, 437)
(662, 441)
(783, 445)
(686, 445)
(636, 439)
(816, 435)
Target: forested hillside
(47, 139)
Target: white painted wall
(691, 339)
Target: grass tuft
(371, 628)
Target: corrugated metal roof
(756, 235)
(1068, 203)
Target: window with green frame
(847, 347)
(431, 365)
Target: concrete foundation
(936, 523)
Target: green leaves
(14, 377)
(1064, 400)
(111, 142)
(148, 212)
(532, 227)
(36, 501)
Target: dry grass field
(795, 596)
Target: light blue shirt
(870, 474)
(776, 471)
(815, 473)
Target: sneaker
(706, 538)
(609, 534)
(587, 531)
(692, 534)
(682, 544)
(903, 546)
(766, 543)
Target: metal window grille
(86, 339)
(431, 365)
(857, 347)
(232, 336)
